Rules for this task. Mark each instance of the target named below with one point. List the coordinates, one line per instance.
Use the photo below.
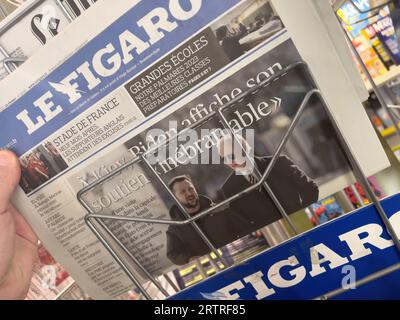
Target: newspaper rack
(3, 11)
(314, 92)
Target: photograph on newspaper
(198, 169)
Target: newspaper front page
(140, 73)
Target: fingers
(10, 173)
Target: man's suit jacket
(291, 186)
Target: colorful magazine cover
(324, 211)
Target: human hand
(18, 243)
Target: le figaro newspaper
(120, 80)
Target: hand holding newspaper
(142, 72)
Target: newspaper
(49, 278)
(139, 73)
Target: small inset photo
(39, 166)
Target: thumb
(10, 174)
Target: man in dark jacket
(291, 186)
(183, 242)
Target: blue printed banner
(333, 256)
(133, 42)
